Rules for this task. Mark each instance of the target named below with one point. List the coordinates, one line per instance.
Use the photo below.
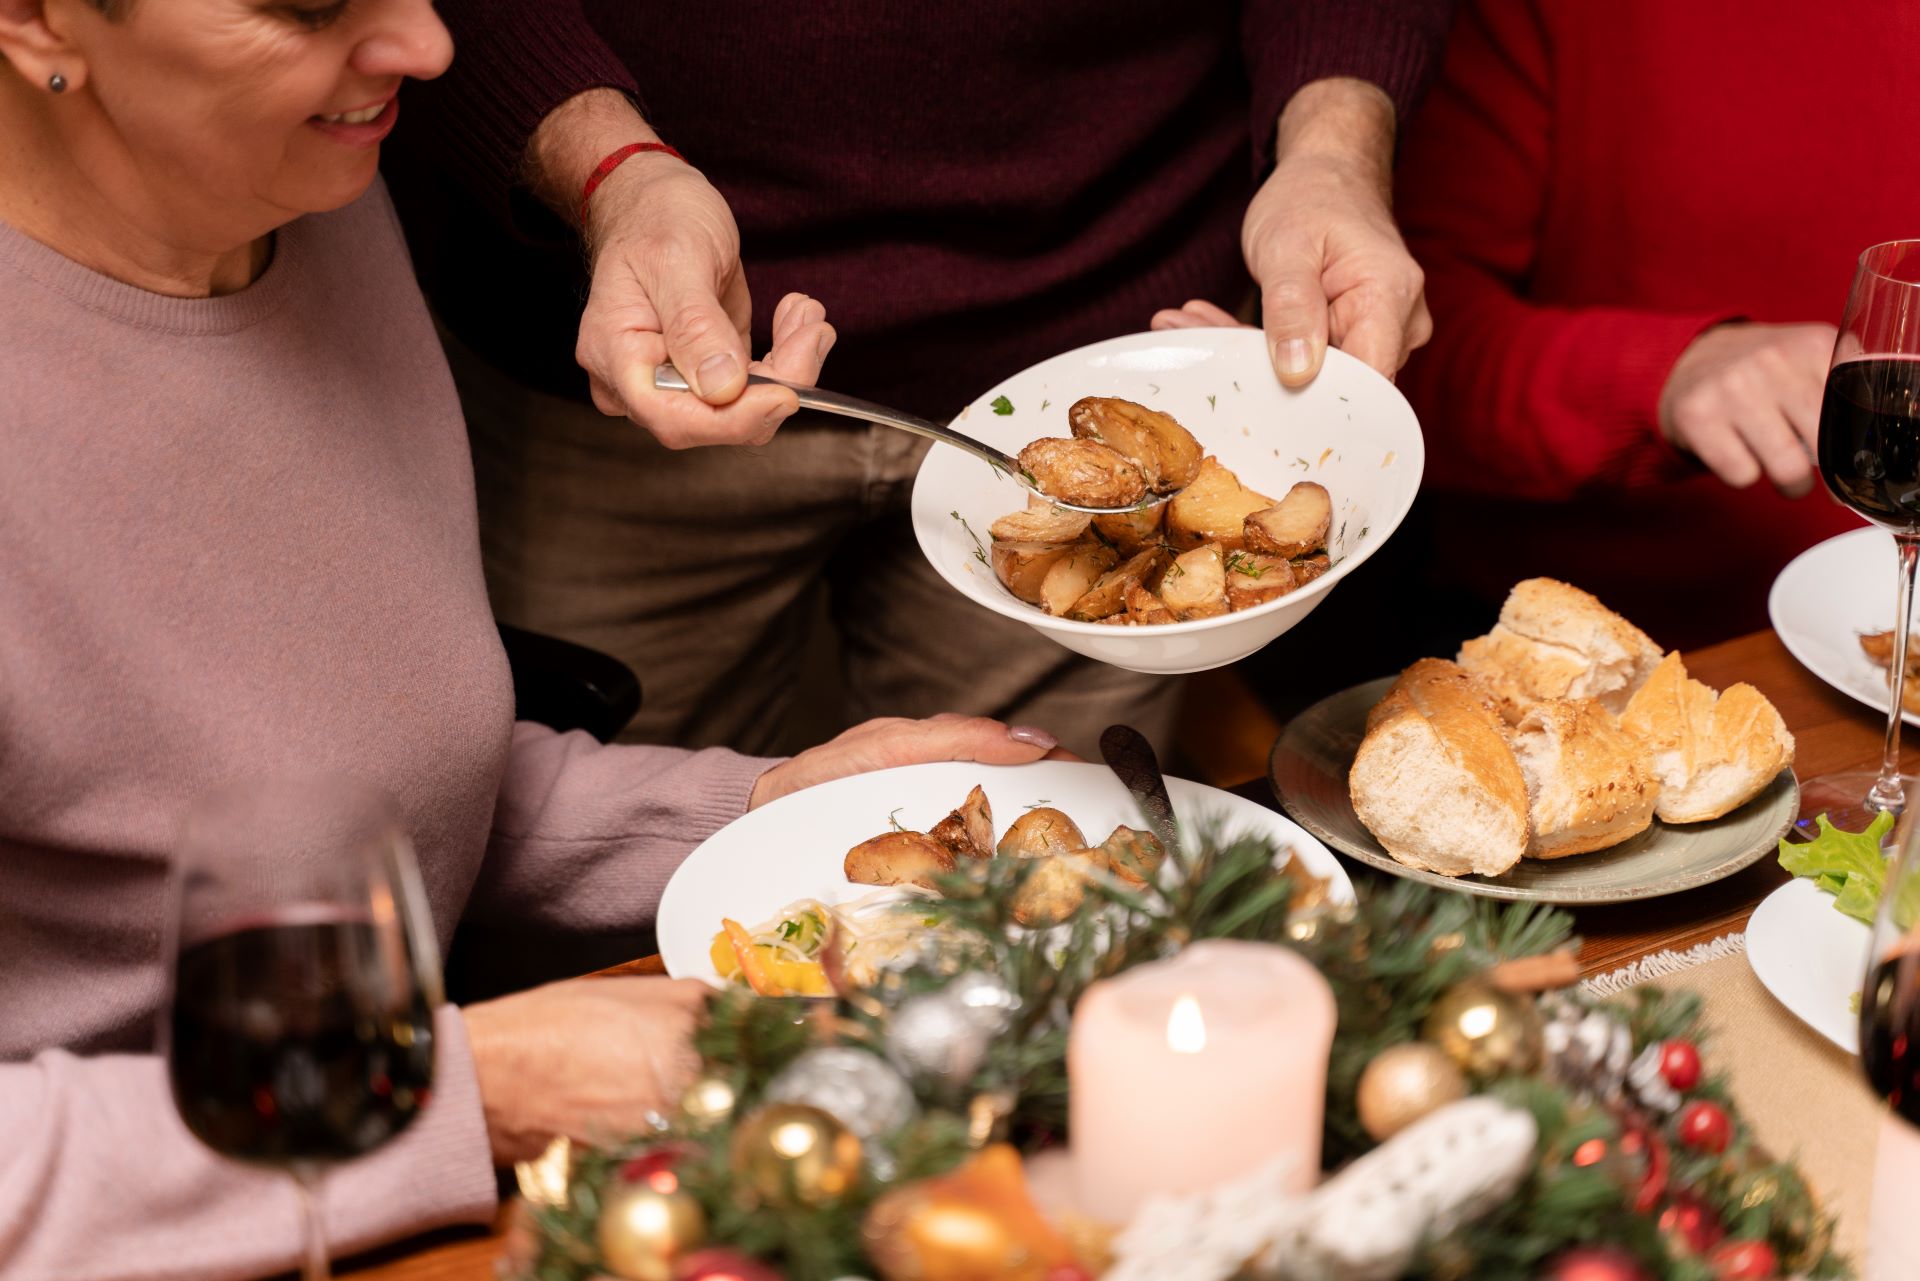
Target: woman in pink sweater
(237, 535)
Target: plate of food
(1277, 495)
(1808, 940)
(859, 852)
(1833, 609)
(1562, 758)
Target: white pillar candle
(1191, 1072)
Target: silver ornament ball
(988, 1001)
(854, 1087)
(935, 1037)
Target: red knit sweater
(1588, 187)
(969, 185)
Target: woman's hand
(892, 740)
(1745, 400)
(587, 1058)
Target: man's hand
(586, 1058)
(668, 286)
(891, 740)
(1745, 399)
(1320, 241)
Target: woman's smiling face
(273, 108)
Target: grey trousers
(706, 571)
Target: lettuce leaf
(1848, 865)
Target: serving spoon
(667, 378)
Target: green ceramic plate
(1309, 772)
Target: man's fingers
(703, 344)
(794, 311)
(799, 356)
(1293, 312)
(1378, 339)
(1419, 329)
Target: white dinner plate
(794, 847)
(1349, 429)
(1826, 598)
(1811, 957)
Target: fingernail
(826, 341)
(715, 371)
(1032, 737)
(1293, 356)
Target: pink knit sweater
(237, 535)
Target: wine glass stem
(306, 1177)
(1887, 793)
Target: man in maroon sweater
(970, 187)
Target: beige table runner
(1803, 1095)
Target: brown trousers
(705, 571)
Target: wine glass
(1890, 1057)
(1870, 459)
(305, 975)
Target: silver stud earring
(57, 82)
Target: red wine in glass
(277, 1055)
(1890, 1032)
(1870, 439)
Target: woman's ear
(36, 40)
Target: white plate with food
(1240, 445)
(1831, 596)
(1812, 958)
(1564, 758)
(768, 869)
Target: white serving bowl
(1350, 430)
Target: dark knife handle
(1130, 756)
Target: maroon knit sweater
(969, 185)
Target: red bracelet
(614, 161)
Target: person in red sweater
(1638, 222)
(968, 188)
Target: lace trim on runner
(1662, 965)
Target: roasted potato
(1022, 567)
(899, 858)
(1131, 531)
(1109, 596)
(1041, 522)
(1145, 608)
(1195, 585)
(1083, 471)
(1055, 888)
(968, 831)
(1213, 509)
(1166, 453)
(1133, 856)
(1254, 579)
(1294, 526)
(1074, 575)
(1041, 830)
(1308, 568)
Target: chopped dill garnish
(979, 552)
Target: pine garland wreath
(1388, 959)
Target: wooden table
(1832, 732)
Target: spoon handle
(1130, 756)
(667, 378)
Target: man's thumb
(1293, 311)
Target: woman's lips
(361, 127)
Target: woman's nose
(407, 39)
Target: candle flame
(1186, 1030)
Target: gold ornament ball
(708, 1102)
(644, 1232)
(790, 1155)
(1485, 1031)
(1404, 1083)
